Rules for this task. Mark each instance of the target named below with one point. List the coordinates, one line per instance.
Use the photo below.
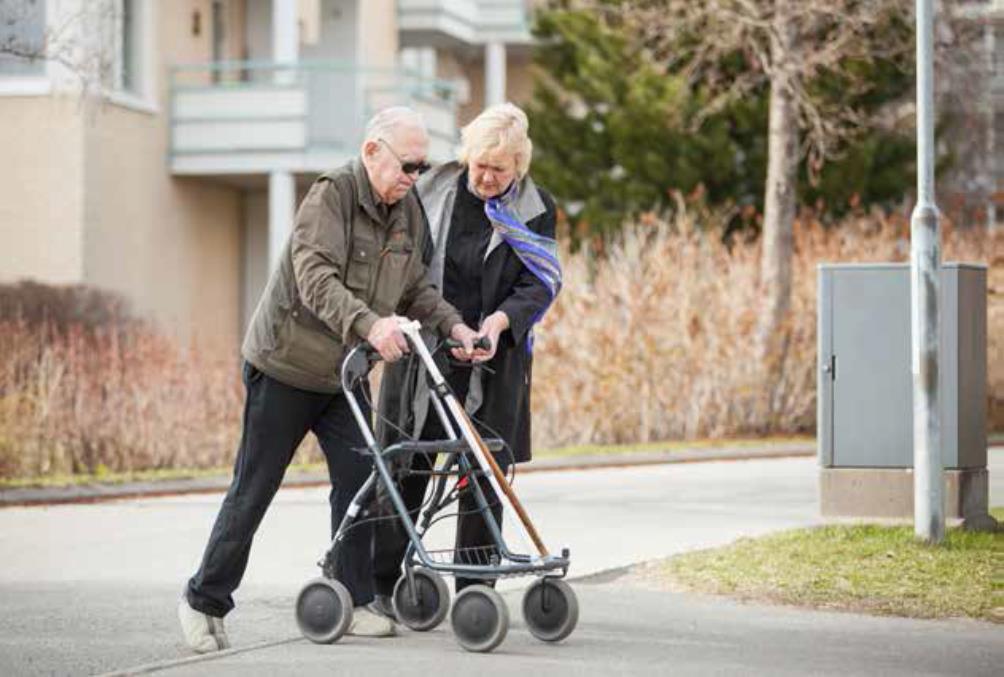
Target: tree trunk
(780, 200)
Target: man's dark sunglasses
(420, 167)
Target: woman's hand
(492, 327)
(461, 332)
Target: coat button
(296, 313)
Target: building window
(420, 61)
(22, 37)
(130, 53)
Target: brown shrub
(650, 340)
(117, 398)
(655, 341)
(60, 307)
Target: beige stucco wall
(41, 189)
(519, 79)
(254, 272)
(171, 245)
(378, 42)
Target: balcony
(462, 23)
(247, 118)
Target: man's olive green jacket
(349, 261)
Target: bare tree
(80, 37)
(786, 46)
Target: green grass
(158, 475)
(108, 477)
(613, 449)
(867, 568)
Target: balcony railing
(251, 118)
(447, 23)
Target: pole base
(887, 494)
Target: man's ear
(370, 148)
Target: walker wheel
(480, 618)
(430, 603)
(550, 609)
(323, 610)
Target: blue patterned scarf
(538, 253)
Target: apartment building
(160, 147)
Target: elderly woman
(492, 252)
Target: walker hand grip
(483, 343)
(372, 354)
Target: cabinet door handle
(830, 366)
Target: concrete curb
(97, 493)
(166, 664)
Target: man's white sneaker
(203, 633)
(366, 623)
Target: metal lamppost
(925, 264)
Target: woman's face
(492, 172)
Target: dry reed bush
(119, 398)
(654, 339)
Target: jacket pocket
(395, 261)
(305, 344)
(361, 265)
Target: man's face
(492, 172)
(385, 158)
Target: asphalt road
(92, 588)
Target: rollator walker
(421, 599)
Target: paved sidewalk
(92, 588)
(97, 492)
(629, 630)
(91, 493)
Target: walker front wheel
(480, 618)
(425, 605)
(550, 609)
(323, 610)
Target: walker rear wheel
(323, 610)
(430, 603)
(550, 609)
(480, 618)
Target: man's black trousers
(276, 419)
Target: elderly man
(353, 260)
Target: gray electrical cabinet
(865, 383)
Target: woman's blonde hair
(501, 127)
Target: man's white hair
(503, 127)
(386, 121)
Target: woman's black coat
(508, 285)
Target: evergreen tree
(614, 135)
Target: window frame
(30, 84)
(139, 96)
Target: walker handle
(483, 343)
(372, 354)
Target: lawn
(866, 568)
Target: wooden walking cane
(485, 459)
(500, 479)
